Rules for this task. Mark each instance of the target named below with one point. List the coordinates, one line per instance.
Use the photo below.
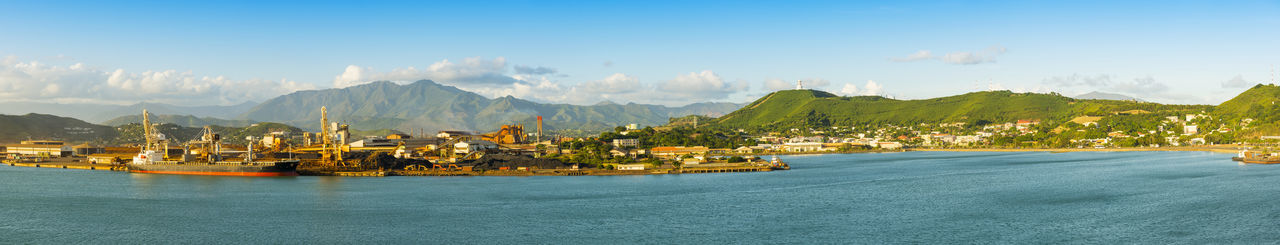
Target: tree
(656, 163)
(736, 159)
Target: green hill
(50, 127)
(1259, 103)
(812, 108)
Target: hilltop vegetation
(813, 108)
(50, 127)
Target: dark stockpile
(384, 161)
(497, 161)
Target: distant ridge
(103, 112)
(181, 120)
(430, 106)
(1096, 95)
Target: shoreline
(1215, 149)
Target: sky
(654, 52)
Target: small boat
(1255, 158)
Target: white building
(1190, 129)
(889, 145)
(630, 167)
(627, 143)
(803, 147)
(467, 147)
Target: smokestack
(539, 128)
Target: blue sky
(672, 53)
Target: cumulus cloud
(36, 81)
(471, 71)
(849, 89)
(534, 70)
(871, 88)
(1237, 82)
(704, 84)
(614, 84)
(492, 78)
(957, 58)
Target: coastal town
(631, 149)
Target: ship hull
(1246, 160)
(255, 169)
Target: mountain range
(419, 106)
(431, 106)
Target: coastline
(1215, 149)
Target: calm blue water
(915, 197)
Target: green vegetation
(50, 127)
(787, 109)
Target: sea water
(911, 197)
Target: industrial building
(42, 148)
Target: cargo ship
(203, 156)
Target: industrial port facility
(508, 151)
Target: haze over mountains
(424, 105)
(431, 106)
(1096, 95)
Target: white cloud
(614, 84)
(958, 58)
(471, 71)
(36, 81)
(872, 88)
(699, 85)
(774, 84)
(534, 70)
(849, 89)
(491, 78)
(1146, 88)
(1237, 82)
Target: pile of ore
(497, 161)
